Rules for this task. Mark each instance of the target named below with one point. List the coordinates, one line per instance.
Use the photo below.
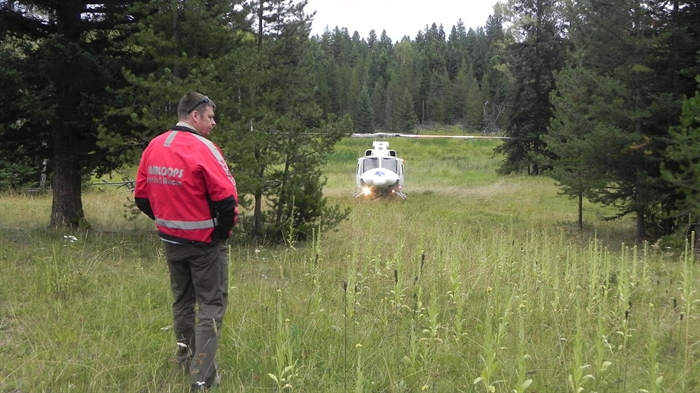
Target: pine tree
(280, 137)
(69, 56)
(19, 163)
(379, 97)
(474, 104)
(364, 116)
(456, 49)
(406, 117)
(685, 150)
(430, 69)
(477, 51)
(491, 69)
(533, 62)
(582, 103)
(458, 98)
(623, 41)
(182, 47)
(322, 75)
(401, 77)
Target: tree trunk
(696, 239)
(639, 237)
(67, 206)
(257, 209)
(283, 193)
(257, 212)
(580, 211)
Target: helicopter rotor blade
(393, 135)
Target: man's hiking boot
(203, 387)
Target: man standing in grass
(184, 184)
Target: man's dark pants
(198, 275)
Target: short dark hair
(190, 102)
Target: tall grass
(475, 283)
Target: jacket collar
(185, 126)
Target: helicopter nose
(380, 181)
(391, 178)
(379, 178)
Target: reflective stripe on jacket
(184, 184)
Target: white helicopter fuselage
(379, 172)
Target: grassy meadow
(474, 283)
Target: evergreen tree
(493, 73)
(386, 43)
(280, 138)
(430, 67)
(581, 103)
(458, 99)
(456, 49)
(341, 45)
(364, 116)
(406, 117)
(345, 82)
(378, 68)
(182, 46)
(534, 59)
(473, 103)
(685, 150)
(68, 56)
(353, 90)
(624, 41)
(477, 51)
(681, 38)
(439, 100)
(372, 40)
(322, 66)
(19, 164)
(379, 97)
(402, 77)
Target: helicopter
(380, 172)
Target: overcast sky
(397, 17)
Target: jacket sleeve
(145, 206)
(221, 187)
(141, 188)
(226, 213)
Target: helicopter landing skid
(380, 195)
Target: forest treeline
(602, 96)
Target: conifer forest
(600, 95)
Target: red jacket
(184, 184)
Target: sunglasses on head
(205, 100)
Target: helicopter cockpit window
(389, 163)
(370, 163)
